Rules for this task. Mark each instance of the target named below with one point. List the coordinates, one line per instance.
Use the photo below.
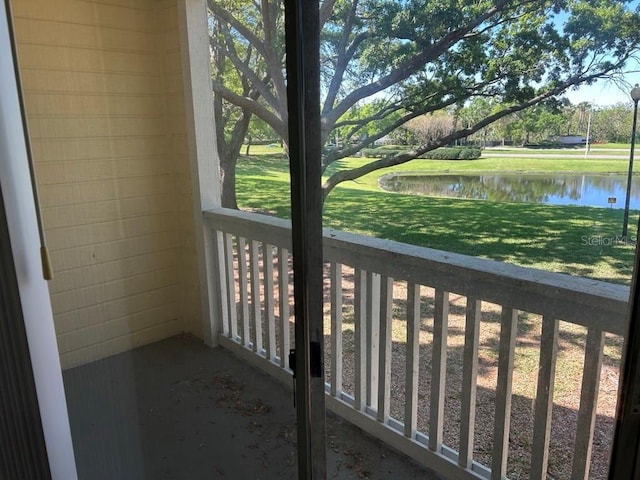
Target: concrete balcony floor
(176, 409)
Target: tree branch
(389, 161)
(248, 75)
(325, 11)
(253, 106)
(274, 61)
(223, 14)
(342, 61)
(409, 66)
(370, 139)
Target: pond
(567, 189)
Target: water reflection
(587, 190)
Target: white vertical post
(231, 287)
(245, 334)
(283, 306)
(360, 341)
(336, 328)
(544, 397)
(412, 361)
(373, 337)
(588, 403)
(469, 378)
(221, 262)
(508, 331)
(586, 145)
(384, 377)
(203, 156)
(269, 316)
(256, 310)
(438, 369)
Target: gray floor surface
(177, 409)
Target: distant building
(576, 140)
(386, 140)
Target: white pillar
(203, 155)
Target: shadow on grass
(579, 241)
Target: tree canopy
(387, 62)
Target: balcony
(209, 415)
(415, 337)
(451, 360)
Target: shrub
(453, 153)
(382, 151)
(444, 153)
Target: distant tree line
(539, 124)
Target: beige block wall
(103, 91)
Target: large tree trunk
(228, 181)
(229, 152)
(229, 147)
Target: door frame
(34, 300)
(302, 39)
(625, 451)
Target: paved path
(577, 156)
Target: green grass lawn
(565, 239)
(568, 239)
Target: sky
(603, 93)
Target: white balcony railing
(254, 275)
